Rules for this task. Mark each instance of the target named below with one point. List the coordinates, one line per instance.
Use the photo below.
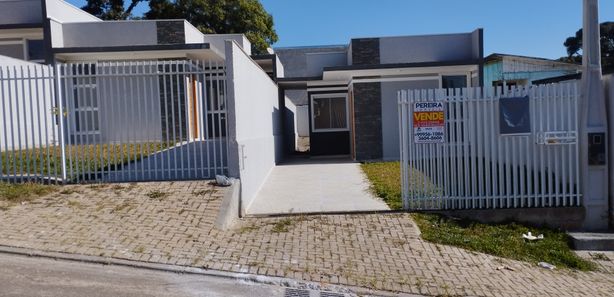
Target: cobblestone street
(172, 223)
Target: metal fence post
(58, 93)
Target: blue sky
(523, 27)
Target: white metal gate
(500, 148)
(114, 121)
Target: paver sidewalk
(380, 251)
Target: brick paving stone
(379, 251)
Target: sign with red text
(429, 122)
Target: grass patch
(503, 240)
(385, 180)
(16, 193)
(283, 225)
(80, 158)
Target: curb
(254, 278)
(228, 214)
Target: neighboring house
(569, 77)
(513, 70)
(50, 31)
(349, 92)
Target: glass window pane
(338, 113)
(321, 113)
(36, 50)
(454, 81)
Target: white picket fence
(114, 121)
(478, 165)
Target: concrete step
(592, 241)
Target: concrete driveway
(315, 186)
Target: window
(329, 113)
(36, 50)
(453, 81)
(23, 49)
(85, 101)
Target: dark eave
(263, 57)
(21, 26)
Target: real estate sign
(429, 122)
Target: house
(512, 70)
(346, 95)
(53, 31)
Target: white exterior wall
(131, 102)
(192, 35)
(57, 33)
(302, 120)
(118, 33)
(26, 119)
(317, 61)
(20, 12)
(217, 42)
(427, 48)
(390, 118)
(253, 122)
(290, 128)
(65, 12)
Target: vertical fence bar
(159, 148)
(202, 116)
(38, 128)
(142, 127)
(170, 144)
(219, 115)
(4, 156)
(60, 99)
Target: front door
(329, 124)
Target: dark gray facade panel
(368, 121)
(365, 51)
(170, 32)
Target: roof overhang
(347, 73)
(199, 51)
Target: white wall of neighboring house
(254, 122)
(26, 118)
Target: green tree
(573, 45)
(221, 17)
(111, 9)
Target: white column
(593, 122)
